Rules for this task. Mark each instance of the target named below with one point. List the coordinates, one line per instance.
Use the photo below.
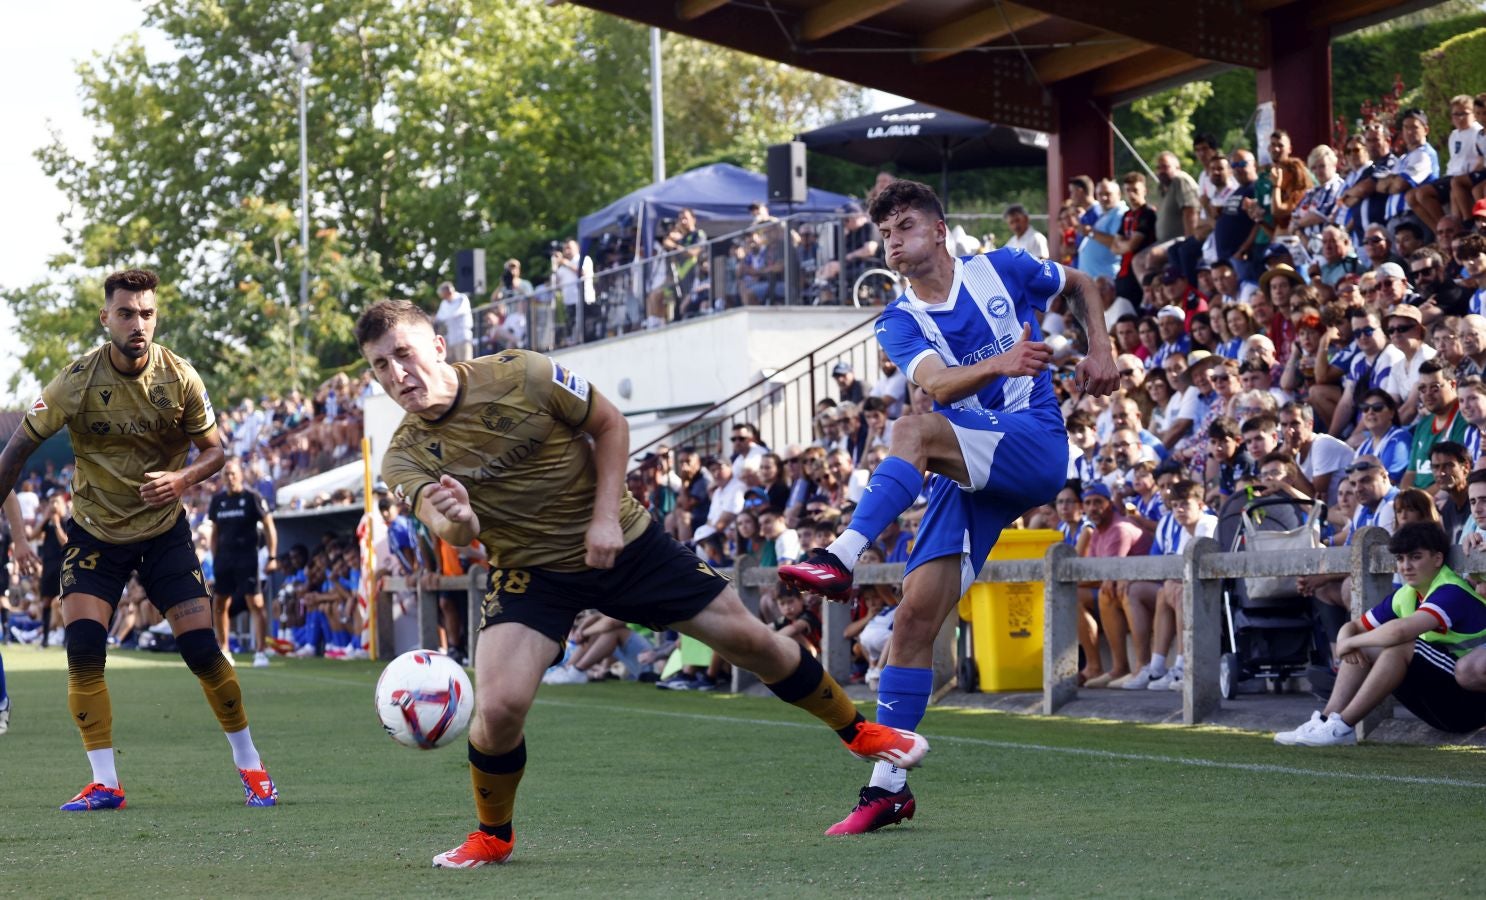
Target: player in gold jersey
(133, 410)
(523, 453)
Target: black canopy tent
(923, 138)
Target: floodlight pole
(657, 113)
(302, 53)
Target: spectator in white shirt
(1319, 457)
(456, 322)
(1023, 235)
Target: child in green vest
(1406, 646)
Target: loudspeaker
(787, 172)
(469, 273)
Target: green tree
(433, 127)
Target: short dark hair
(1223, 427)
(1084, 182)
(1130, 317)
(1410, 227)
(1478, 476)
(1015, 209)
(1383, 397)
(1208, 139)
(1280, 456)
(134, 280)
(1419, 536)
(1185, 490)
(384, 315)
(1081, 419)
(1438, 364)
(903, 195)
(1452, 450)
(1261, 422)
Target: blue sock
(902, 697)
(3, 695)
(893, 487)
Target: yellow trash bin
(1006, 619)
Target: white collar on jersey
(947, 305)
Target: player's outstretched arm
(610, 432)
(1097, 372)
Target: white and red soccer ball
(424, 699)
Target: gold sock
(87, 698)
(225, 695)
(494, 779)
(811, 688)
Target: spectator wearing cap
(1105, 534)
(1406, 330)
(1278, 286)
(847, 386)
(1023, 236)
(1171, 321)
(1437, 392)
(1393, 287)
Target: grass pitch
(636, 792)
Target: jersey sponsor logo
(105, 396)
(1000, 307)
(511, 457)
(38, 406)
(158, 398)
(145, 426)
(571, 381)
(100, 427)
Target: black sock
(502, 832)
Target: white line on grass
(1071, 751)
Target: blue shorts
(1016, 461)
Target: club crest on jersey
(99, 427)
(1000, 307)
(105, 396)
(494, 421)
(159, 398)
(38, 406)
(571, 381)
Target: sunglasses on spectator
(1373, 407)
(1126, 373)
(1360, 467)
(1219, 376)
(1400, 329)
(1239, 164)
(1376, 239)
(1369, 331)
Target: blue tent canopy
(717, 192)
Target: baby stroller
(1269, 628)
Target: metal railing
(1202, 569)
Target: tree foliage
(432, 127)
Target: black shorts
(167, 566)
(1477, 177)
(1441, 187)
(655, 582)
(51, 578)
(1430, 691)
(237, 578)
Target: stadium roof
(1003, 61)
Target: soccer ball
(424, 699)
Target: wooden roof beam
(686, 10)
(1218, 30)
(1066, 62)
(1146, 68)
(836, 15)
(973, 30)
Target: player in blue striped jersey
(966, 331)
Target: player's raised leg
(509, 661)
(797, 678)
(84, 617)
(920, 444)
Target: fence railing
(1202, 569)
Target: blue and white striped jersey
(992, 297)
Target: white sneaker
(1333, 732)
(1139, 680)
(1171, 681)
(227, 654)
(874, 675)
(564, 675)
(305, 651)
(260, 660)
(5, 716)
(1292, 738)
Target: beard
(131, 352)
